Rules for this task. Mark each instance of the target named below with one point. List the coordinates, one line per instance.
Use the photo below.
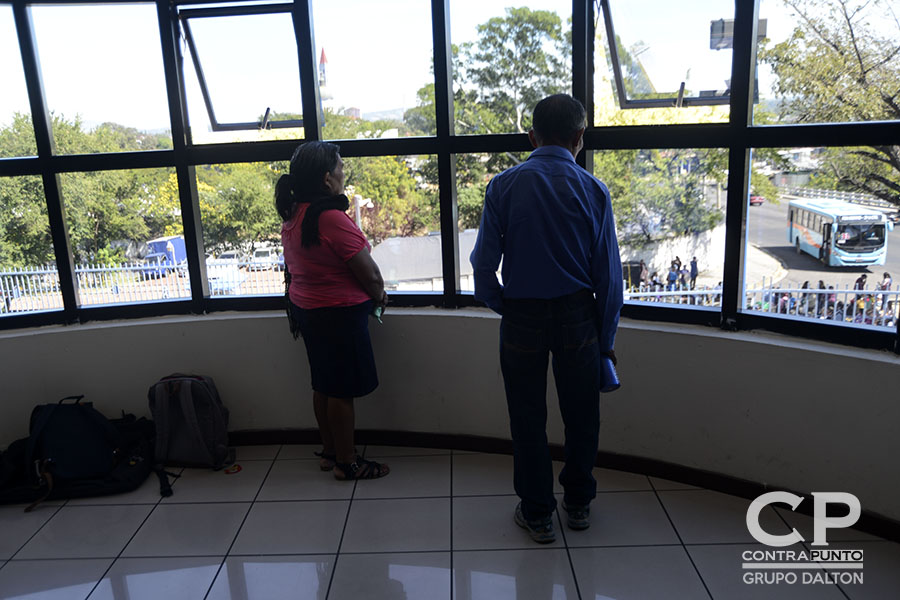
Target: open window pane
(16, 132)
(669, 206)
(508, 58)
(103, 77)
(126, 235)
(671, 62)
(828, 62)
(375, 76)
(249, 67)
(29, 281)
(832, 251)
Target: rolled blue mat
(609, 379)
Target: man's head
(558, 120)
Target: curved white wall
(802, 415)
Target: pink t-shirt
(320, 276)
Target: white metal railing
(37, 288)
(872, 307)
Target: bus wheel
(797, 245)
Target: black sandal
(360, 469)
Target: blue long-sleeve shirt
(552, 224)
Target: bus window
(860, 237)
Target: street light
(359, 201)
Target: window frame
(184, 18)
(739, 135)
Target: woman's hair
(309, 164)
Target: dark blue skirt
(339, 349)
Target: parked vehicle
(166, 254)
(264, 259)
(757, 200)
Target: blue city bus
(838, 233)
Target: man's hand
(612, 356)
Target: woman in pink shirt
(333, 287)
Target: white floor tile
(273, 578)
(238, 483)
(182, 578)
(383, 451)
(482, 474)
(623, 519)
(303, 480)
(299, 451)
(86, 532)
(639, 573)
(410, 477)
(707, 517)
(188, 530)
(536, 574)
(18, 526)
(610, 480)
(486, 523)
(668, 484)
(50, 579)
(881, 576)
(312, 527)
(414, 525)
(147, 493)
(410, 576)
(720, 566)
(268, 452)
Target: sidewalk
(761, 267)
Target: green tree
(842, 63)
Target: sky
(379, 54)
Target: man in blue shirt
(552, 224)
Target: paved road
(767, 229)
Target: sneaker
(579, 516)
(540, 531)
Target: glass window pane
(375, 67)
(400, 216)
(103, 77)
(669, 206)
(661, 47)
(126, 235)
(390, 200)
(473, 173)
(828, 62)
(16, 132)
(507, 59)
(241, 229)
(818, 250)
(250, 66)
(29, 281)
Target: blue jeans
(532, 329)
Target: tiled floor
(439, 527)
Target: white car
(264, 259)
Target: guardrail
(854, 197)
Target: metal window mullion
(185, 173)
(444, 123)
(582, 88)
(302, 15)
(41, 122)
(743, 71)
